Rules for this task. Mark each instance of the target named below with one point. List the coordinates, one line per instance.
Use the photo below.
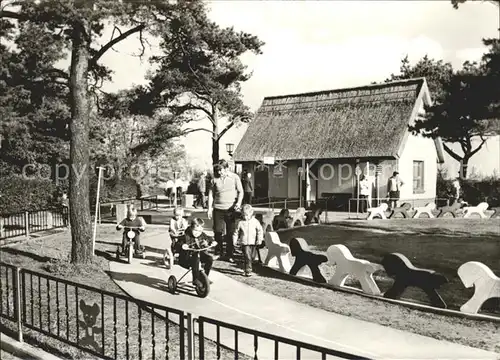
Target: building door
(261, 183)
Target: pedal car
(129, 247)
(200, 282)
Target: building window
(418, 177)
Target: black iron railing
(113, 326)
(102, 323)
(263, 345)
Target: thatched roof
(362, 122)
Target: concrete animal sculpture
(348, 265)
(486, 285)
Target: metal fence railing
(113, 326)
(262, 345)
(29, 222)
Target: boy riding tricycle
(194, 257)
(132, 226)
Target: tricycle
(131, 233)
(200, 282)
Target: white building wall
(418, 148)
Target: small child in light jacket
(249, 234)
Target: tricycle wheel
(202, 285)
(172, 284)
(118, 252)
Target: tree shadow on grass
(14, 251)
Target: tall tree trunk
(215, 139)
(81, 231)
(464, 165)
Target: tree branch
(187, 131)
(231, 124)
(115, 41)
(451, 153)
(473, 152)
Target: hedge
(472, 191)
(19, 194)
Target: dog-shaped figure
(486, 285)
(346, 265)
(399, 267)
(452, 209)
(427, 209)
(378, 211)
(479, 209)
(312, 217)
(304, 257)
(298, 216)
(277, 255)
(266, 220)
(282, 220)
(496, 212)
(403, 210)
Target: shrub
(21, 194)
(473, 191)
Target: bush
(114, 189)
(473, 191)
(20, 194)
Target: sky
(323, 45)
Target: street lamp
(230, 149)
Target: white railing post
(17, 302)
(27, 224)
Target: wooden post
(175, 189)
(96, 207)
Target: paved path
(234, 302)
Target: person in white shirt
(365, 192)
(393, 187)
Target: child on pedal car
(249, 234)
(197, 239)
(137, 223)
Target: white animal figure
(299, 216)
(479, 209)
(486, 285)
(427, 209)
(347, 264)
(380, 210)
(277, 255)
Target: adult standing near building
(225, 195)
(365, 191)
(65, 209)
(246, 182)
(456, 190)
(202, 190)
(393, 187)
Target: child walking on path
(250, 235)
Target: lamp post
(230, 150)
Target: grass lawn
(50, 255)
(442, 245)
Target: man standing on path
(246, 181)
(225, 195)
(393, 187)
